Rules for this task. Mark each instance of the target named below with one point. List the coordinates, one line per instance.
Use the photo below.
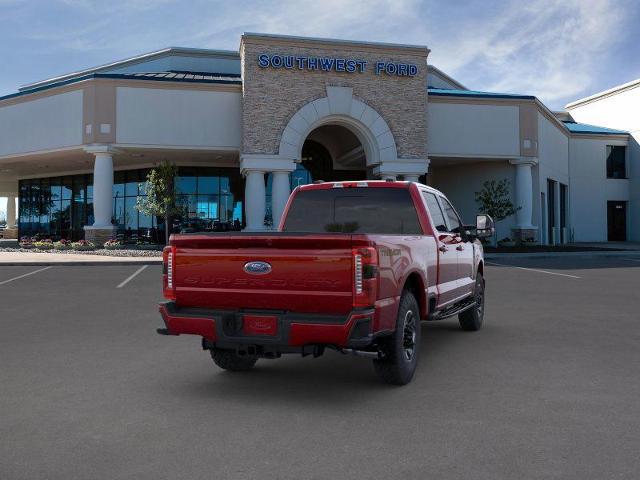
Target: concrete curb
(617, 253)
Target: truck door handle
(459, 248)
(443, 248)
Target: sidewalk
(634, 254)
(36, 259)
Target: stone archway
(339, 107)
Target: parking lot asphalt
(549, 388)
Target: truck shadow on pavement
(333, 379)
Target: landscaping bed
(126, 252)
(111, 248)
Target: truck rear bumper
(268, 328)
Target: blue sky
(557, 50)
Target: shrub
(113, 244)
(83, 245)
(62, 245)
(46, 244)
(26, 242)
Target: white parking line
(132, 276)
(533, 270)
(25, 275)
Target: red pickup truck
(354, 266)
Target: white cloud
(546, 48)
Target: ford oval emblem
(257, 268)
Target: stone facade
(99, 236)
(272, 96)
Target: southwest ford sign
(334, 64)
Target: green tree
(160, 199)
(495, 199)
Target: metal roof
(444, 92)
(134, 60)
(187, 77)
(177, 75)
(585, 128)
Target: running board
(453, 309)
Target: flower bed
(43, 244)
(83, 245)
(113, 245)
(62, 245)
(112, 248)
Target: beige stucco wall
(50, 122)
(178, 117)
(272, 96)
(460, 129)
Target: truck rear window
(354, 210)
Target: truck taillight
(365, 276)
(168, 271)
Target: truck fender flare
(416, 284)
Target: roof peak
(604, 93)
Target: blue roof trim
(444, 92)
(585, 128)
(225, 80)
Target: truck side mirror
(484, 226)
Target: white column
(103, 189)
(280, 191)
(254, 198)
(11, 212)
(524, 193)
(412, 178)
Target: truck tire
(401, 348)
(471, 320)
(230, 360)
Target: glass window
(354, 210)
(62, 206)
(55, 188)
(79, 188)
(65, 218)
(67, 189)
(131, 214)
(119, 213)
(131, 185)
(616, 167)
(186, 185)
(208, 185)
(225, 185)
(455, 224)
(90, 217)
(207, 206)
(90, 186)
(118, 184)
(144, 221)
(55, 214)
(435, 211)
(225, 211)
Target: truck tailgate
(307, 273)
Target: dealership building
(246, 127)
